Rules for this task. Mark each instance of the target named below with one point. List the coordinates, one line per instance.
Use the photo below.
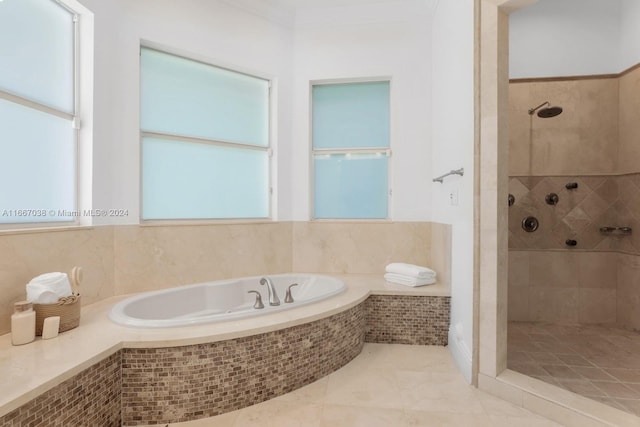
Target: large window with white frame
(351, 150)
(38, 112)
(205, 140)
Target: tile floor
(599, 362)
(386, 385)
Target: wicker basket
(67, 308)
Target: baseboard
(461, 354)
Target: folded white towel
(401, 279)
(411, 270)
(48, 288)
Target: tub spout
(273, 296)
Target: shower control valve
(530, 224)
(571, 185)
(551, 199)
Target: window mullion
(35, 105)
(196, 140)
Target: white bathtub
(219, 301)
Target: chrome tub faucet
(273, 296)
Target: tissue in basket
(67, 308)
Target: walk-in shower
(574, 254)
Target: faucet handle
(258, 304)
(288, 298)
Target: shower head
(546, 112)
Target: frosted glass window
(184, 97)
(351, 186)
(350, 131)
(205, 140)
(37, 166)
(37, 52)
(183, 180)
(351, 115)
(37, 109)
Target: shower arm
(533, 110)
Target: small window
(351, 150)
(205, 140)
(38, 110)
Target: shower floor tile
(598, 362)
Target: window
(38, 110)
(205, 140)
(351, 150)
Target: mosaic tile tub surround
(91, 398)
(162, 385)
(407, 319)
(185, 383)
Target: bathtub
(219, 301)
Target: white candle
(50, 327)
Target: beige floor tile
(574, 360)
(311, 393)
(582, 387)
(363, 387)
(546, 358)
(224, 420)
(563, 372)
(604, 365)
(426, 391)
(616, 390)
(498, 407)
(446, 419)
(508, 421)
(519, 357)
(410, 357)
(351, 416)
(279, 414)
(625, 375)
(547, 379)
(593, 373)
(531, 369)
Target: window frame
(387, 151)
(268, 149)
(74, 121)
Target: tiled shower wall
(595, 143)
(599, 201)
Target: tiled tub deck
(162, 384)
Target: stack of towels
(409, 274)
(48, 288)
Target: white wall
(453, 148)
(209, 30)
(341, 42)
(566, 37)
(388, 40)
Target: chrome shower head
(546, 112)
